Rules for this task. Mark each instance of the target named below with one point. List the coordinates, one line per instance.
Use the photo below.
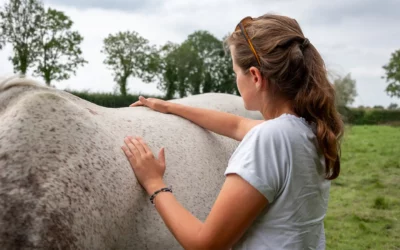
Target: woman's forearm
(183, 225)
(216, 121)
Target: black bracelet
(159, 191)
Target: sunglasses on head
(241, 27)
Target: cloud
(354, 37)
(131, 5)
(339, 11)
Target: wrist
(154, 186)
(169, 107)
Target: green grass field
(364, 205)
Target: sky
(355, 37)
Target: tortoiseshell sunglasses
(241, 26)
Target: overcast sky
(356, 36)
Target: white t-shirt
(280, 158)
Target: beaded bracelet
(159, 191)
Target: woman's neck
(271, 110)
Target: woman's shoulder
(284, 125)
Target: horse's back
(66, 183)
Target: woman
(277, 181)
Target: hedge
(373, 116)
(108, 99)
(354, 116)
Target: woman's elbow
(208, 243)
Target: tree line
(43, 40)
(200, 64)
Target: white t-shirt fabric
(281, 159)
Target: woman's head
(273, 60)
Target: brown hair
(296, 70)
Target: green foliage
(128, 54)
(364, 204)
(40, 39)
(216, 74)
(180, 69)
(393, 106)
(58, 48)
(345, 89)
(168, 70)
(109, 100)
(227, 77)
(198, 65)
(372, 116)
(2, 39)
(354, 116)
(19, 25)
(392, 75)
(207, 50)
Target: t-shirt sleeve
(260, 160)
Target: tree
(227, 78)
(128, 54)
(19, 25)
(393, 75)
(345, 90)
(393, 106)
(167, 69)
(179, 69)
(217, 74)
(190, 67)
(2, 40)
(58, 48)
(198, 65)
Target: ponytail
(315, 101)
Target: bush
(356, 116)
(372, 116)
(109, 100)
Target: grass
(364, 205)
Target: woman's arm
(226, 124)
(236, 207)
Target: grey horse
(65, 183)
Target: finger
(144, 144)
(128, 154)
(161, 156)
(132, 148)
(143, 100)
(135, 104)
(147, 102)
(138, 146)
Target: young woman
(277, 181)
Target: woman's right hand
(153, 103)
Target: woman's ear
(257, 79)
(255, 74)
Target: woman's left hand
(148, 170)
